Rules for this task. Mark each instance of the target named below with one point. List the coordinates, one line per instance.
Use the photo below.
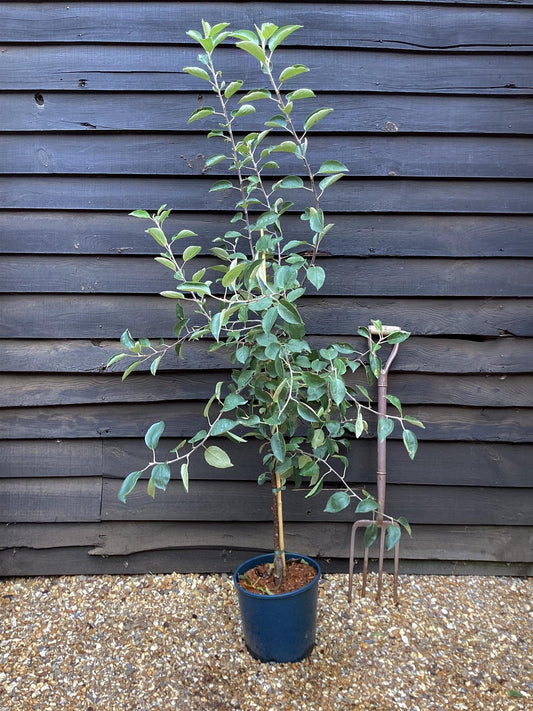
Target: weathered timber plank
(418, 354)
(95, 316)
(65, 232)
(50, 499)
(350, 195)
(158, 68)
(77, 561)
(185, 155)
(185, 418)
(51, 458)
(457, 463)
(245, 501)
(506, 544)
(375, 276)
(444, 463)
(420, 388)
(335, 24)
(322, 540)
(369, 113)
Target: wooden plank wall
(433, 114)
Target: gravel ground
(174, 642)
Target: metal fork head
(382, 525)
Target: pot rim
(281, 596)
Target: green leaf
(337, 502)
(158, 234)
(255, 95)
(398, 337)
(278, 446)
(317, 276)
(160, 476)
(184, 473)
(182, 234)
(140, 213)
(153, 434)
(114, 359)
(220, 185)
(266, 219)
(217, 457)
(281, 34)
(201, 113)
(197, 72)
(284, 147)
(292, 71)
(171, 294)
(414, 421)
(385, 427)
(155, 364)
(254, 49)
(194, 287)
(128, 485)
(392, 536)
(289, 182)
(301, 94)
(216, 324)
(191, 251)
(411, 443)
(329, 180)
(244, 110)
(307, 413)
(405, 523)
(289, 312)
(221, 426)
(338, 390)
(130, 368)
(332, 166)
(366, 505)
(232, 274)
(214, 160)
(269, 319)
(315, 117)
(127, 341)
(232, 88)
(396, 402)
(371, 533)
(232, 401)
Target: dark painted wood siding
(433, 114)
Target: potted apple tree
(293, 398)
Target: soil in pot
(260, 578)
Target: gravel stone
(91, 643)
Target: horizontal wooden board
(434, 355)
(77, 561)
(51, 458)
(443, 463)
(356, 113)
(89, 67)
(181, 154)
(376, 276)
(107, 233)
(401, 195)
(185, 418)
(227, 501)
(420, 388)
(320, 540)
(400, 26)
(50, 500)
(96, 316)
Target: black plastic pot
(278, 628)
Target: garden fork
(381, 483)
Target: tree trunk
(279, 539)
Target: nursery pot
(278, 628)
